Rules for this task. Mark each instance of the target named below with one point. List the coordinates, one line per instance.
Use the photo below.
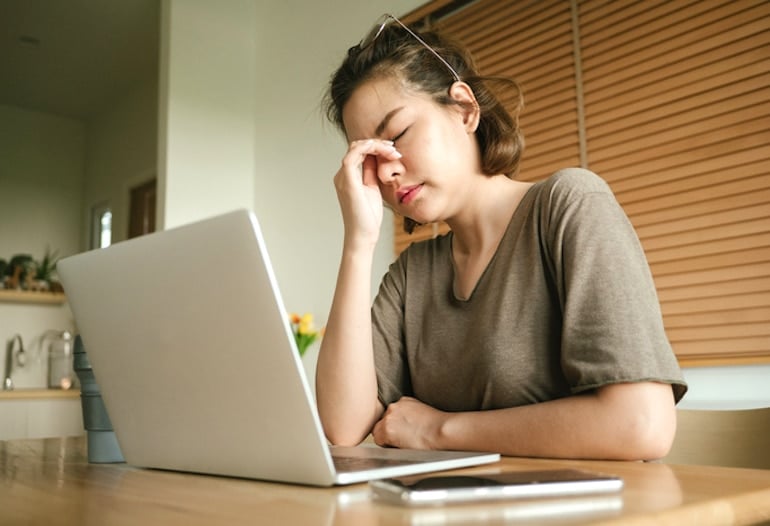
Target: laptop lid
(191, 346)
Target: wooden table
(49, 481)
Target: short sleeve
(612, 324)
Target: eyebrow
(384, 123)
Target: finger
(369, 170)
(359, 150)
(370, 144)
(360, 163)
(378, 434)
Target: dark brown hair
(397, 53)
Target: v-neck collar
(518, 212)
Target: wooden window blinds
(669, 102)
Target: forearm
(623, 422)
(346, 384)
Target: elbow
(647, 427)
(343, 439)
(651, 435)
(346, 433)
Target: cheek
(388, 192)
(424, 148)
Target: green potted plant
(46, 268)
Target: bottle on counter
(61, 374)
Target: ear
(468, 107)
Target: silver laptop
(191, 347)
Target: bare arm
(346, 383)
(628, 421)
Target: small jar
(61, 375)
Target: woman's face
(436, 147)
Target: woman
(532, 329)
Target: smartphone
(411, 491)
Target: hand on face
(409, 423)
(358, 189)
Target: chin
(417, 219)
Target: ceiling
(75, 57)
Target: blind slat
(709, 247)
(713, 233)
(711, 277)
(703, 201)
(655, 41)
(718, 261)
(708, 128)
(705, 108)
(625, 178)
(723, 317)
(723, 55)
(715, 304)
(716, 332)
(662, 191)
(737, 346)
(599, 26)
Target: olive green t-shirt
(567, 304)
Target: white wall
(121, 153)
(207, 86)
(41, 180)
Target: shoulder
(428, 248)
(423, 254)
(568, 187)
(571, 195)
(416, 267)
(575, 182)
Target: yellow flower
(306, 324)
(304, 331)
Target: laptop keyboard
(349, 464)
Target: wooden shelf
(24, 296)
(38, 394)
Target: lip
(408, 194)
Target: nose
(388, 171)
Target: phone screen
(514, 484)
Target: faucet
(8, 383)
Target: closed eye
(397, 137)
